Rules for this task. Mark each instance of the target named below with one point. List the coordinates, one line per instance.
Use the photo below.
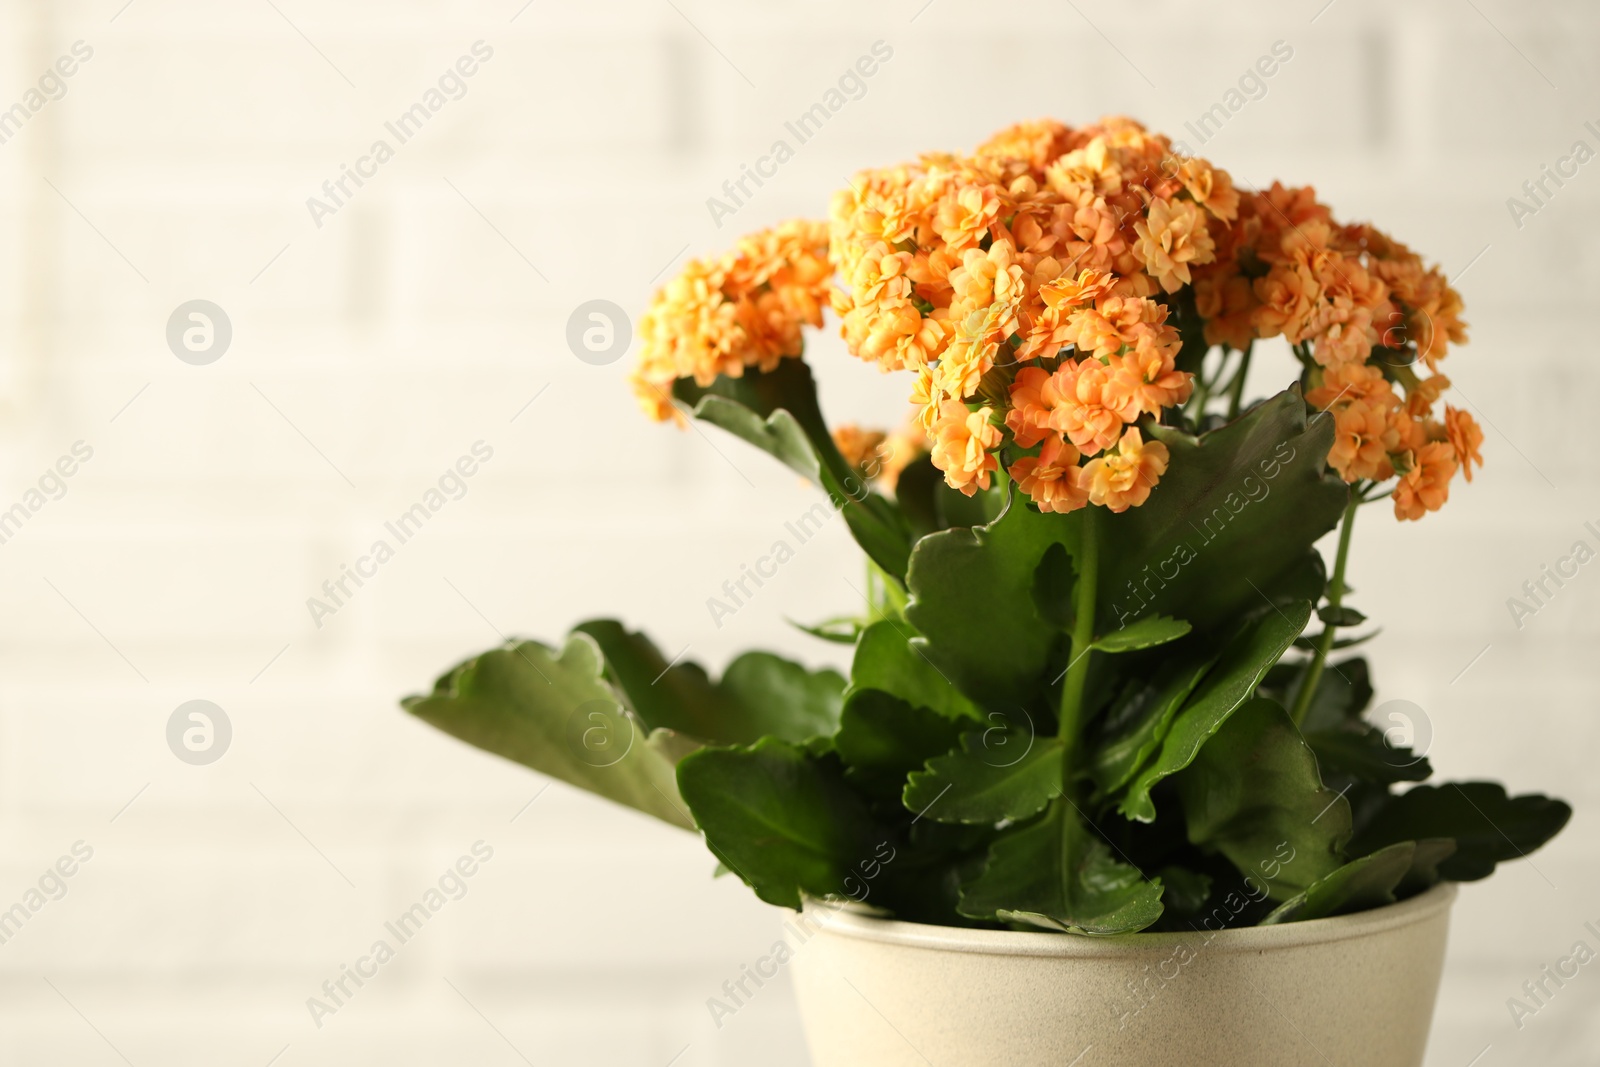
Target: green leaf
(1055, 874)
(839, 630)
(1340, 616)
(784, 822)
(886, 659)
(1139, 720)
(1424, 872)
(760, 695)
(558, 715)
(1184, 891)
(1148, 632)
(1310, 642)
(778, 434)
(930, 505)
(1368, 882)
(875, 524)
(1053, 583)
(915, 491)
(979, 509)
(1229, 684)
(1254, 792)
(777, 411)
(972, 600)
(998, 774)
(882, 739)
(1488, 826)
(1343, 693)
(1363, 752)
(1235, 515)
(777, 698)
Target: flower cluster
(745, 309)
(1022, 286)
(1365, 315)
(1035, 290)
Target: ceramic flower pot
(1352, 991)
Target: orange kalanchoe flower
(1422, 396)
(745, 309)
(1123, 479)
(1036, 290)
(860, 448)
(1426, 486)
(1465, 437)
(1088, 409)
(1052, 479)
(1173, 237)
(1033, 401)
(962, 446)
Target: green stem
(1236, 393)
(1088, 566)
(1336, 591)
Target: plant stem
(1088, 566)
(1236, 393)
(1336, 590)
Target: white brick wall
(405, 328)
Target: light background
(369, 353)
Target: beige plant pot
(1353, 991)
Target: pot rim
(851, 920)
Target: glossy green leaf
(778, 434)
(1368, 882)
(1235, 516)
(930, 505)
(759, 695)
(1054, 581)
(1424, 873)
(1055, 874)
(1343, 691)
(1138, 720)
(998, 774)
(784, 822)
(972, 601)
(1362, 751)
(886, 659)
(839, 630)
(778, 698)
(1310, 642)
(915, 491)
(1184, 891)
(558, 715)
(882, 739)
(1340, 616)
(1229, 684)
(1488, 826)
(1254, 794)
(777, 411)
(1148, 632)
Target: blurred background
(179, 488)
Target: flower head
(746, 309)
(1123, 479)
(1052, 479)
(1171, 237)
(1036, 289)
(1465, 437)
(1426, 486)
(962, 446)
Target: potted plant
(1103, 746)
